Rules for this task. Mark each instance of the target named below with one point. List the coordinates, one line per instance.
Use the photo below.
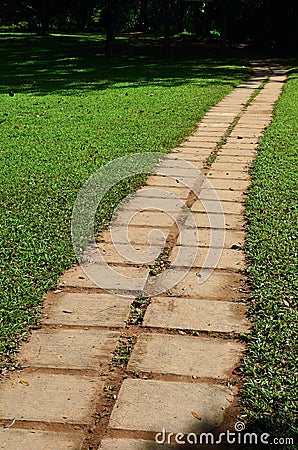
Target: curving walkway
(182, 345)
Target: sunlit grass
(271, 368)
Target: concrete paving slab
(136, 235)
(200, 357)
(229, 259)
(140, 444)
(198, 315)
(232, 185)
(231, 221)
(169, 405)
(230, 166)
(118, 279)
(133, 444)
(160, 203)
(17, 439)
(69, 349)
(125, 254)
(199, 145)
(237, 157)
(219, 286)
(229, 207)
(213, 238)
(222, 285)
(130, 444)
(224, 195)
(146, 218)
(163, 181)
(194, 158)
(229, 175)
(179, 192)
(176, 172)
(197, 141)
(84, 309)
(48, 397)
(107, 279)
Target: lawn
(270, 392)
(70, 111)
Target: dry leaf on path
(196, 416)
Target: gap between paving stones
(83, 408)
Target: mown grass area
(72, 111)
(271, 365)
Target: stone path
(181, 371)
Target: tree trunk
(223, 34)
(143, 21)
(111, 28)
(45, 26)
(167, 10)
(197, 20)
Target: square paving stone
(49, 397)
(132, 444)
(16, 439)
(229, 207)
(194, 158)
(232, 166)
(214, 220)
(202, 283)
(229, 175)
(156, 218)
(197, 145)
(232, 185)
(140, 444)
(224, 195)
(226, 156)
(200, 357)
(163, 182)
(69, 349)
(198, 315)
(219, 286)
(148, 191)
(160, 203)
(108, 278)
(154, 405)
(85, 309)
(136, 235)
(212, 238)
(125, 253)
(211, 257)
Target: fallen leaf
(24, 383)
(196, 416)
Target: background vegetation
(267, 23)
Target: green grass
(270, 392)
(73, 111)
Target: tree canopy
(269, 23)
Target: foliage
(259, 22)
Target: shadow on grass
(61, 63)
